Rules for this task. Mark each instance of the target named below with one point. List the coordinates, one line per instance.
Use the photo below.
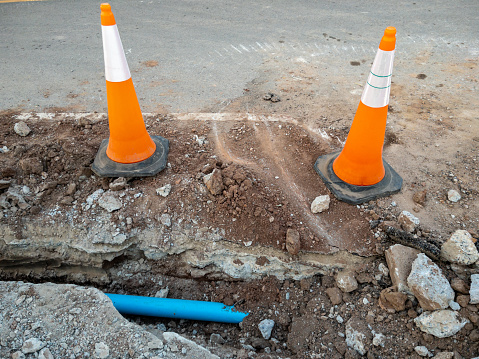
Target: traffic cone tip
(388, 42)
(107, 18)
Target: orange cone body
(129, 141)
(360, 162)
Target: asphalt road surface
(190, 56)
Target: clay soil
(269, 183)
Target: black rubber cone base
(390, 184)
(103, 166)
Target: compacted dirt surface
(284, 121)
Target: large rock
(214, 182)
(441, 323)
(358, 336)
(429, 285)
(83, 320)
(399, 259)
(460, 248)
(474, 291)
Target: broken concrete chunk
(21, 129)
(440, 323)
(193, 349)
(320, 204)
(474, 291)
(109, 202)
(266, 327)
(358, 336)
(429, 285)
(453, 195)
(164, 191)
(408, 221)
(119, 184)
(460, 248)
(32, 345)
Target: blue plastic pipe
(176, 308)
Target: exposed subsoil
(269, 183)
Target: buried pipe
(176, 308)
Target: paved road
(207, 51)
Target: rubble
(320, 204)
(474, 291)
(399, 259)
(441, 323)
(22, 129)
(429, 285)
(346, 281)
(460, 248)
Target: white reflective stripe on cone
(116, 67)
(377, 89)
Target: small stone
(214, 182)
(408, 221)
(162, 293)
(293, 242)
(66, 200)
(71, 188)
(21, 129)
(454, 305)
(463, 300)
(429, 285)
(346, 282)
(216, 339)
(32, 345)
(101, 350)
(18, 355)
(459, 285)
(460, 248)
(165, 219)
(119, 184)
(164, 191)
(109, 202)
(45, 353)
(422, 351)
(260, 343)
(444, 355)
(265, 327)
(420, 197)
(335, 295)
(392, 301)
(320, 204)
(453, 195)
(440, 323)
(474, 291)
(474, 336)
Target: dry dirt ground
(432, 141)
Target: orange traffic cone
(130, 151)
(359, 173)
